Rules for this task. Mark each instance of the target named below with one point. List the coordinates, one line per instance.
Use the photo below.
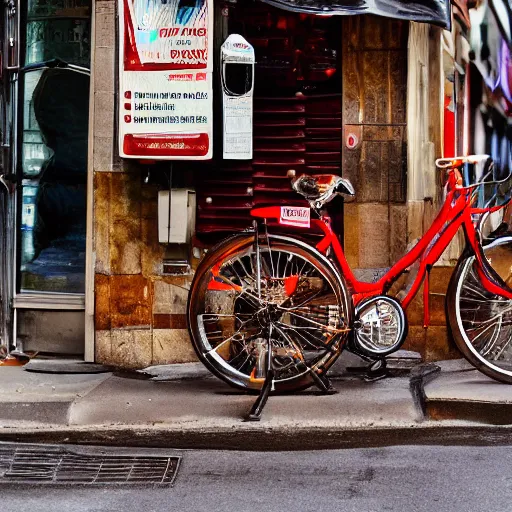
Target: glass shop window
(58, 29)
(54, 147)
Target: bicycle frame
(455, 212)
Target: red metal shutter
(297, 132)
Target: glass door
(54, 174)
(54, 84)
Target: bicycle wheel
(481, 322)
(303, 307)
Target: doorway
(51, 170)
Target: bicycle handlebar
(457, 161)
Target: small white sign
(298, 216)
(237, 128)
(237, 106)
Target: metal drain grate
(62, 466)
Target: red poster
(165, 79)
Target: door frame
(89, 342)
(45, 300)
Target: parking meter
(237, 70)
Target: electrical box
(177, 216)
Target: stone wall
(392, 89)
(374, 92)
(425, 80)
(139, 311)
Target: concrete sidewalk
(183, 406)
(459, 392)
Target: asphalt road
(406, 478)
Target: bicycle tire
(229, 250)
(468, 305)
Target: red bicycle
(271, 312)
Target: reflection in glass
(58, 29)
(35, 151)
(54, 163)
(54, 147)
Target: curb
(270, 439)
(420, 376)
(489, 413)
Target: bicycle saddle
(321, 188)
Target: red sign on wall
(165, 79)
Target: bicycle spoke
(265, 267)
(475, 291)
(232, 266)
(490, 344)
(222, 343)
(237, 337)
(299, 334)
(485, 321)
(302, 269)
(242, 325)
(235, 287)
(278, 262)
(493, 319)
(296, 347)
(224, 315)
(504, 347)
(288, 259)
(270, 256)
(484, 302)
(240, 366)
(313, 322)
(247, 274)
(320, 346)
(307, 301)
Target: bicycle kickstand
(323, 383)
(259, 404)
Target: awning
(436, 12)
